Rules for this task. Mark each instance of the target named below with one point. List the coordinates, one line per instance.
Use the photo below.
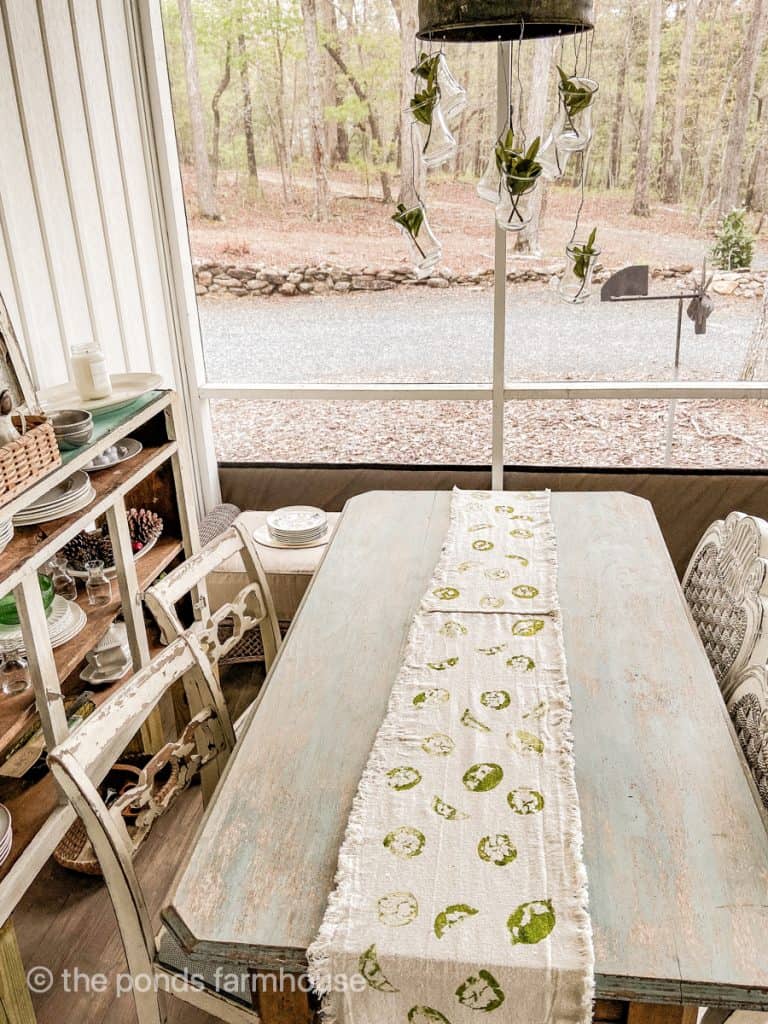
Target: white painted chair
(252, 607)
(748, 708)
(156, 963)
(726, 587)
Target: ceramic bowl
(9, 613)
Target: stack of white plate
(6, 833)
(70, 496)
(297, 525)
(65, 620)
(6, 534)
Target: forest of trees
(309, 88)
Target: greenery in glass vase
(426, 67)
(423, 104)
(734, 245)
(411, 221)
(583, 255)
(514, 164)
(576, 96)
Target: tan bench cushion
(289, 572)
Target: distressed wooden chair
(156, 963)
(726, 587)
(250, 608)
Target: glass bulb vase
(436, 143)
(513, 209)
(572, 132)
(576, 284)
(425, 248)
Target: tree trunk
(641, 206)
(206, 197)
(245, 90)
(757, 186)
(620, 105)
(316, 119)
(373, 121)
(756, 360)
(527, 240)
(411, 169)
(754, 33)
(220, 88)
(673, 170)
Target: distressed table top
(675, 846)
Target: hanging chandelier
(486, 21)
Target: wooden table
(675, 846)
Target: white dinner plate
(296, 519)
(27, 518)
(68, 489)
(263, 536)
(65, 621)
(126, 388)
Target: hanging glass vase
(489, 186)
(580, 262)
(426, 250)
(572, 132)
(433, 68)
(436, 143)
(553, 160)
(513, 209)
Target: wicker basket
(24, 462)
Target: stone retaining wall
(260, 280)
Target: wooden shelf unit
(157, 478)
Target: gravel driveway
(424, 335)
(420, 335)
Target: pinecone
(85, 547)
(144, 525)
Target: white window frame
(198, 393)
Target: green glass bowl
(9, 613)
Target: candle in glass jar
(90, 372)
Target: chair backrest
(251, 607)
(726, 587)
(80, 763)
(748, 707)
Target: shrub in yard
(734, 243)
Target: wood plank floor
(65, 922)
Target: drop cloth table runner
(461, 890)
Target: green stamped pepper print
(489, 603)
(482, 545)
(426, 1015)
(431, 698)
(481, 993)
(441, 666)
(525, 801)
(403, 778)
(505, 509)
(527, 627)
(446, 593)
(476, 527)
(496, 700)
(521, 663)
(405, 842)
(447, 811)
(531, 922)
(498, 850)
(397, 909)
(452, 915)
(438, 745)
(370, 968)
(497, 574)
(521, 533)
(525, 592)
(481, 778)
(469, 720)
(525, 742)
(519, 558)
(490, 651)
(452, 629)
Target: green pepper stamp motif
(469, 720)
(438, 745)
(452, 915)
(490, 651)
(497, 574)
(403, 778)
(482, 545)
(441, 666)
(447, 811)
(525, 592)
(397, 909)
(405, 842)
(426, 1015)
(521, 533)
(521, 663)
(505, 509)
(370, 968)
(525, 801)
(481, 778)
(467, 566)
(452, 629)
(491, 604)
(431, 698)
(527, 627)
(519, 558)
(498, 850)
(531, 922)
(476, 527)
(527, 519)
(496, 700)
(538, 710)
(481, 993)
(525, 742)
(446, 593)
